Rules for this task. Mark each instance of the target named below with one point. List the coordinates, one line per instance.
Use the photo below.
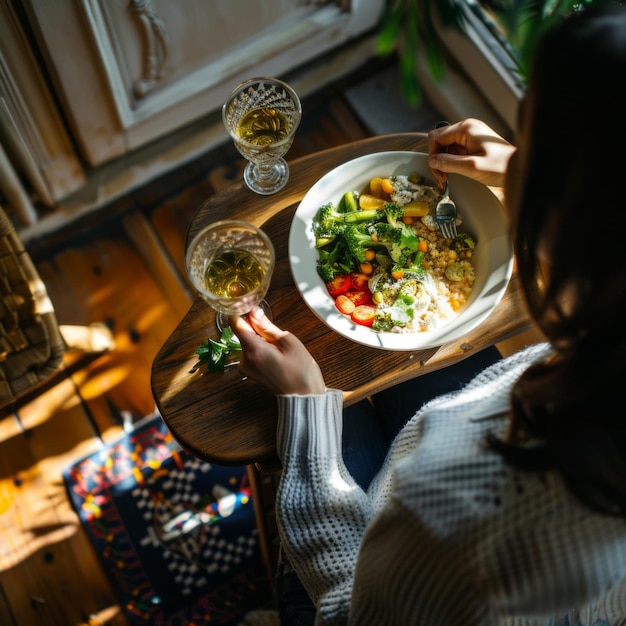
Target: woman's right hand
(470, 148)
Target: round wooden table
(229, 420)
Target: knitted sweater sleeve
(447, 533)
(323, 516)
(322, 512)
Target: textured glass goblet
(261, 115)
(230, 263)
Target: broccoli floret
(333, 260)
(401, 241)
(343, 238)
(328, 223)
(391, 237)
(393, 214)
(353, 242)
(386, 232)
(359, 239)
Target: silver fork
(445, 211)
(445, 215)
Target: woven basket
(31, 345)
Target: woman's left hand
(274, 357)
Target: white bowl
(483, 216)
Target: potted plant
(407, 27)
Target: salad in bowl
(385, 261)
(369, 260)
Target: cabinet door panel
(130, 71)
(34, 145)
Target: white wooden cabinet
(109, 77)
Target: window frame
(484, 60)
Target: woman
(507, 498)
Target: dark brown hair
(570, 238)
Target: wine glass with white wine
(230, 263)
(261, 115)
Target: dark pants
(368, 429)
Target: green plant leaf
(433, 55)
(408, 65)
(215, 355)
(407, 26)
(387, 39)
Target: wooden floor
(122, 267)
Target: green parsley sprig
(215, 355)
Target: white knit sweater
(447, 533)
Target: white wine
(263, 126)
(261, 116)
(233, 273)
(230, 263)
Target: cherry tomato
(363, 315)
(359, 281)
(398, 274)
(387, 186)
(345, 304)
(340, 284)
(368, 201)
(359, 297)
(376, 187)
